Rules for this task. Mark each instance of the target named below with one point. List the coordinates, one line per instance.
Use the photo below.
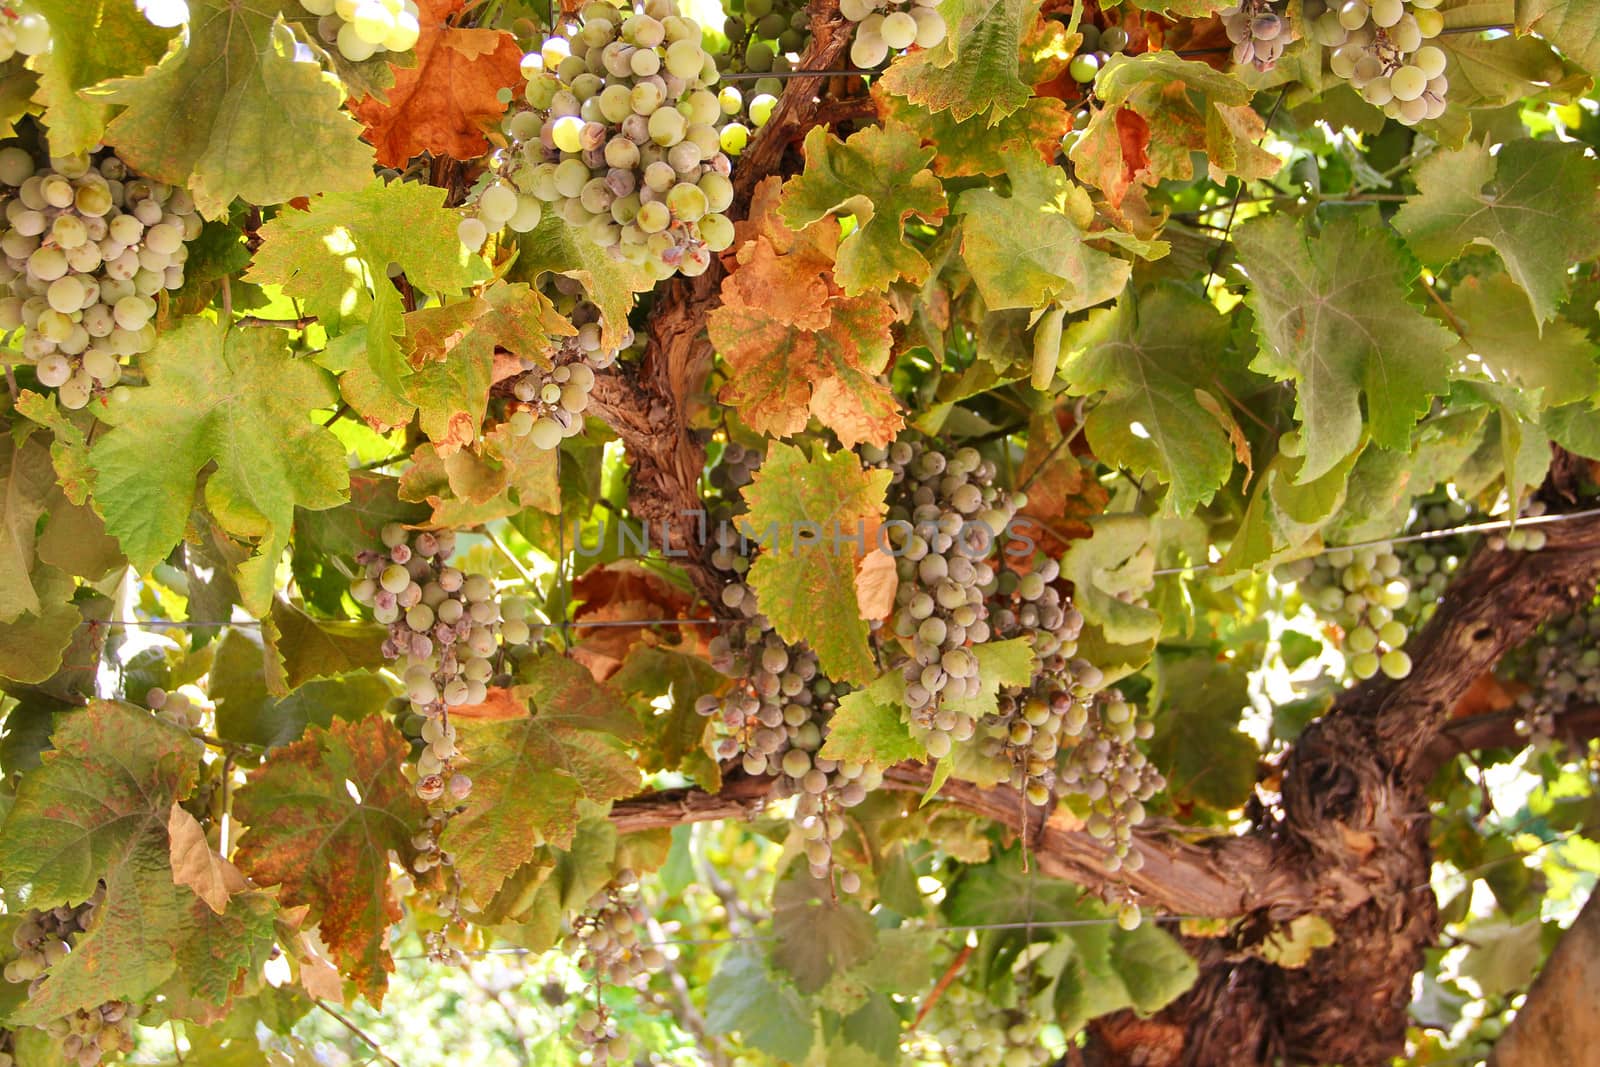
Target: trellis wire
(594, 624)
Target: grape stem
(377, 1050)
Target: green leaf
(1153, 967)
(1156, 357)
(832, 497)
(230, 112)
(32, 644)
(817, 937)
(675, 738)
(880, 176)
(869, 726)
(969, 148)
(336, 258)
(1000, 664)
(1537, 203)
(320, 648)
(69, 451)
(96, 809)
(323, 815)
(1504, 343)
(744, 998)
(247, 712)
(234, 398)
(1333, 317)
(555, 247)
(977, 68)
(1573, 27)
(1030, 249)
(90, 42)
(26, 480)
(1116, 560)
(1197, 745)
(530, 773)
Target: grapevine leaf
(230, 112)
(1333, 317)
(443, 103)
(90, 41)
(530, 772)
(26, 478)
(1494, 71)
(880, 176)
(963, 149)
(196, 865)
(69, 450)
(96, 809)
(453, 350)
(1155, 356)
(1030, 249)
(1572, 27)
(320, 648)
(1505, 343)
(1197, 745)
(1116, 560)
(1148, 130)
(323, 815)
(769, 1015)
(675, 737)
(1062, 491)
(1000, 664)
(1153, 967)
(825, 501)
(817, 937)
(247, 712)
(215, 953)
(1537, 203)
(336, 257)
(32, 644)
(553, 246)
(780, 373)
(234, 398)
(977, 68)
(869, 726)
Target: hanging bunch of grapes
(549, 398)
(1095, 50)
(23, 30)
(445, 629)
(1378, 46)
(776, 716)
(44, 938)
(1259, 32)
(945, 521)
(621, 137)
(1359, 590)
(361, 29)
(88, 246)
(611, 948)
(885, 26)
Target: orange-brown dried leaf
(820, 239)
(779, 375)
(793, 289)
(310, 834)
(619, 593)
(1062, 490)
(444, 103)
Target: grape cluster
(1116, 777)
(884, 26)
(621, 136)
(551, 398)
(1095, 50)
(44, 938)
(607, 935)
(1521, 538)
(22, 30)
(178, 708)
(1258, 32)
(1378, 47)
(1561, 665)
(360, 29)
(735, 469)
(88, 246)
(445, 627)
(1429, 564)
(777, 715)
(945, 519)
(764, 36)
(1360, 590)
(974, 1031)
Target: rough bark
(1558, 1023)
